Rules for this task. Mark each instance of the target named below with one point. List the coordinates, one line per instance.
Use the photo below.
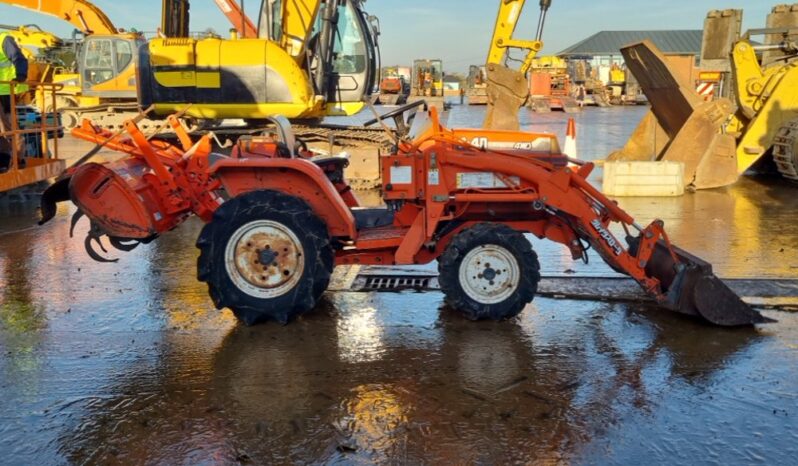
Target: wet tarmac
(129, 362)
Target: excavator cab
(107, 65)
(355, 60)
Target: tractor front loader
(278, 219)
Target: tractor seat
(331, 162)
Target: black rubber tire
(477, 236)
(291, 212)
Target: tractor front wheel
(489, 271)
(266, 256)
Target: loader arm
(507, 88)
(82, 14)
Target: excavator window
(99, 61)
(270, 25)
(105, 58)
(124, 54)
(350, 48)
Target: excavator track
(345, 135)
(784, 151)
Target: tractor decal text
(607, 237)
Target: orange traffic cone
(570, 140)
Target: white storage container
(643, 179)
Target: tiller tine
(690, 287)
(57, 192)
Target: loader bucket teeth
(692, 288)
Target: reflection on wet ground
(128, 363)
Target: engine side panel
(246, 78)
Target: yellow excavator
(41, 49)
(103, 83)
(719, 140)
(312, 58)
(508, 88)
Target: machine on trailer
(278, 219)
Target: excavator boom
(232, 10)
(82, 14)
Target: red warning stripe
(706, 89)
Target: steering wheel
(398, 115)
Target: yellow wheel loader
(721, 139)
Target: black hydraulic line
(544, 8)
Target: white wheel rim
(264, 259)
(489, 274)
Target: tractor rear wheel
(489, 271)
(266, 256)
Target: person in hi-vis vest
(13, 67)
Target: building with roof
(603, 49)
(609, 43)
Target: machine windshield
(350, 46)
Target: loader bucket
(681, 126)
(692, 288)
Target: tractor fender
(296, 177)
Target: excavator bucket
(691, 287)
(681, 126)
(507, 91)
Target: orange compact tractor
(279, 219)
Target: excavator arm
(296, 25)
(82, 14)
(508, 88)
(232, 10)
(175, 18)
(502, 40)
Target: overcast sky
(456, 31)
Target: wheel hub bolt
(266, 256)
